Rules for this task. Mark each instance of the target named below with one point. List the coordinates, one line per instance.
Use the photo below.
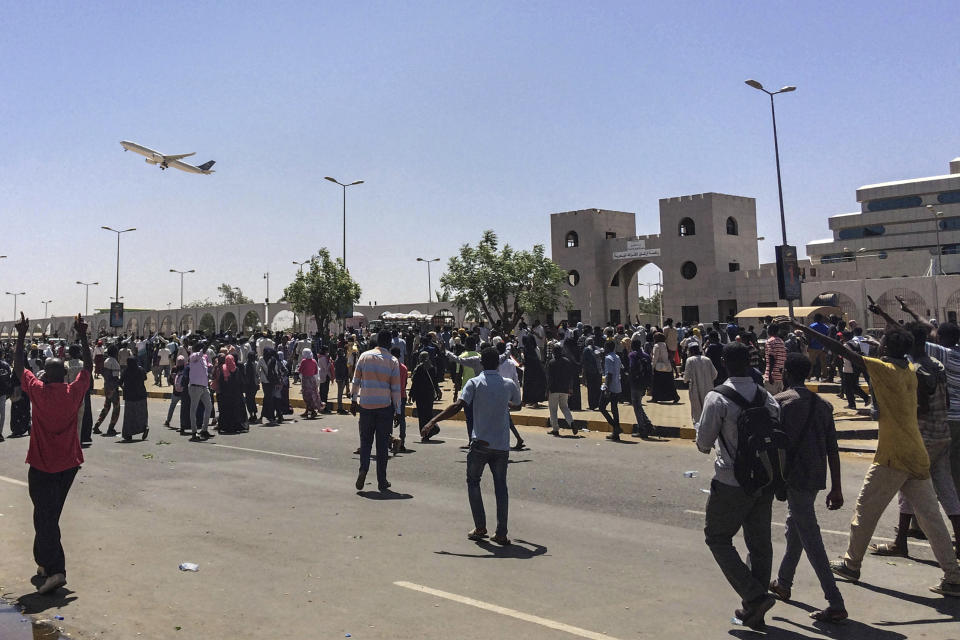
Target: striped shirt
(376, 380)
(777, 356)
(951, 361)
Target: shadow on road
(519, 550)
(384, 495)
(946, 606)
(36, 603)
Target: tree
(324, 290)
(651, 304)
(199, 304)
(232, 295)
(504, 284)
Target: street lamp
(86, 299)
(45, 303)
(659, 285)
(15, 296)
(119, 233)
(300, 264)
(776, 150)
(335, 181)
(429, 282)
(936, 216)
(181, 281)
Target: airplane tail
(206, 165)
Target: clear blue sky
(459, 117)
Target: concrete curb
(684, 433)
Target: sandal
(836, 616)
(783, 593)
(477, 534)
(501, 540)
(888, 549)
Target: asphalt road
(608, 543)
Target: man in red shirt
(54, 455)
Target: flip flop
(835, 616)
(887, 549)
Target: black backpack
(760, 460)
(641, 371)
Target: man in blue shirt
(488, 397)
(610, 389)
(818, 357)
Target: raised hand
(22, 325)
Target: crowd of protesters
(227, 382)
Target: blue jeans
(376, 424)
(803, 534)
(477, 458)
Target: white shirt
(508, 369)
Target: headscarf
(306, 354)
(229, 366)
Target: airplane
(157, 158)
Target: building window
(573, 240)
(573, 277)
(886, 204)
(732, 228)
(813, 272)
(688, 270)
(690, 313)
(573, 317)
(614, 317)
(861, 232)
(611, 234)
(949, 197)
(686, 228)
(733, 266)
(948, 224)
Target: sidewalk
(856, 431)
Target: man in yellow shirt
(901, 462)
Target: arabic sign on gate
(631, 254)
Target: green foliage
(651, 304)
(199, 304)
(504, 284)
(323, 290)
(232, 295)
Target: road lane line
(836, 533)
(14, 481)
(519, 615)
(272, 453)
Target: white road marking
(836, 533)
(519, 615)
(272, 453)
(14, 481)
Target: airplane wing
(180, 156)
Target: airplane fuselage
(164, 161)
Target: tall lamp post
(119, 233)
(46, 304)
(181, 281)
(776, 150)
(429, 281)
(936, 218)
(15, 296)
(335, 181)
(86, 297)
(300, 264)
(659, 285)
